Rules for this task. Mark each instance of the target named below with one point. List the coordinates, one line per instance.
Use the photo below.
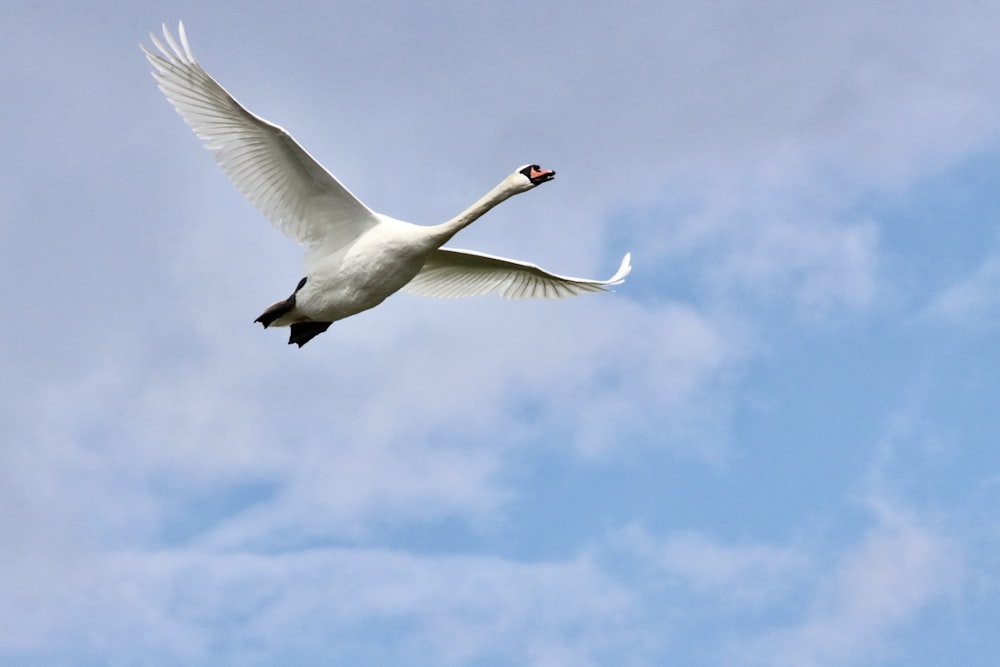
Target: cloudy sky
(776, 444)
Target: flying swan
(355, 257)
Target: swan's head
(530, 175)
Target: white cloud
(817, 266)
(972, 303)
(726, 576)
(364, 606)
(811, 601)
(410, 414)
(899, 568)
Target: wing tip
(173, 52)
(624, 269)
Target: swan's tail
(280, 309)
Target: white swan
(355, 257)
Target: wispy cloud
(972, 303)
(302, 446)
(730, 576)
(899, 568)
(357, 605)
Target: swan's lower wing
(277, 175)
(450, 273)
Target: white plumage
(355, 257)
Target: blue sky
(776, 444)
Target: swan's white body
(355, 257)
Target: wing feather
(450, 273)
(276, 175)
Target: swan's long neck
(446, 230)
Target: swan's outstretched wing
(281, 179)
(453, 273)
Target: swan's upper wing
(281, 179)
(454, 273)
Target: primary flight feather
(355, 257)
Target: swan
(354, 257)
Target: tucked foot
(303, 332)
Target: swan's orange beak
(538, 175)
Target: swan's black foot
(303, 332)
(281, 308)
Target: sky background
(775, 444)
